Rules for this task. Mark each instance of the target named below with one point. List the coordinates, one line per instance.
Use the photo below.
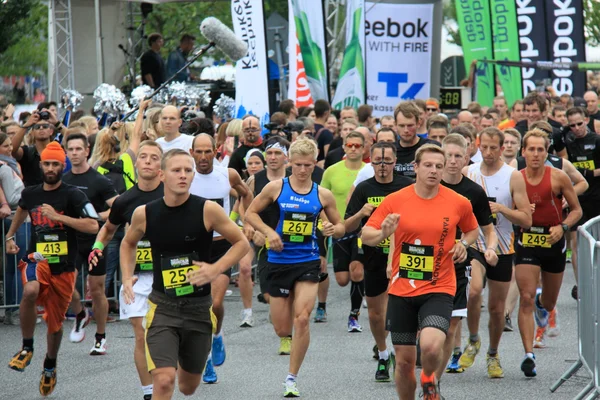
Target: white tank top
(214, 186)
(497, 188)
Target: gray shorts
(178, 331)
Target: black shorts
(178, 332)
(551, 259)
(262, 265)
(218, 250)
(502, 272)
(461, 297)
(590, 210)
(322, 241)
(407, 315)
(281, 278)
(345, 250)
(81, 262)
(376, 280)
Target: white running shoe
(99, 348)
(78, 332)
(247, 319)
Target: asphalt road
(338, 364)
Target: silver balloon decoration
(138, 94)
(224, 107)
(70, 99)
(110, 100)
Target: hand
(556, 233)
(459, 252)
(5, 211)
(33, 119)
(388, 270)
(248, 231)
(115, 126)
(128, 294)
(491, 257)
(144, 104)
(367, 210)
(496, 208)
(205, 274)
(49, 212)
(328, 229)
(9, 111)
(229, 142)
(11, 247)
(275, 242)
(258, 239)
(532, 206)
(52, 117)
(94, 257)
(390, 224)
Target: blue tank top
(297, 226)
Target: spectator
(178, 58)
(289, 108)
(10, 128)
(153, 66)
(38, 96)
(51, 106)
(365, 116)
(348, 112)
(323, 136)
(19, 93)
(197, 126)
(91, 125)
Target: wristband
(4, 204)
(233, 216)
(98, 245)
(8, 239)
(57, 124)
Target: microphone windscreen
(224, 38)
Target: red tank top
(548, 207)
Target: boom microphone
(218, 33)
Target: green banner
(473, 17)
(506, 47)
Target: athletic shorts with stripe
(141, 288)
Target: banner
(298, 89)
(566, 43)
(398, 53)
(350, 90)
(251, 77)
(506, 47)
(550, 65)
(532, 36)
(310, 31)
(473, 17)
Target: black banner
(566, 43)
(531, 16)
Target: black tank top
(177, 234)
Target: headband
(277, 146)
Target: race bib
(536, 237)
(494, 217)
(587, 164)
(174, 274)
(416, 262)
(297, 227)
(52, 246)
(143, 257)
(384, 246)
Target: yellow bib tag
(536, 237)
(416, 262)
(588, 164)
(48, 249)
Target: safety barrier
(588, 256)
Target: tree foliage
(450, 22)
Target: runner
(367, 171)
(148, 188)
(455, 147)
(179, 322)
(542, 247)
(423, 218)
(215, 183)
(293, 256)
(57, 211)
(505, 189)
(364, 200)
(101, 193)
(347, 260)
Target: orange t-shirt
(426, 233)
(507, 123)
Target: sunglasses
(383, 162)
(353, 145)
(431, 109)
(577, 124)
(41, 126)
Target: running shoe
(285, 346)
(453, 366)
(539, 342)
(321, 315)
(291, 389)
(261, 298)
(430, 391)
(353, 325)
(78, 331)
(528, 367)
(540, 314)
(553, 326)
(364, 303)
(247, 319)
(21, 360)
(47, 381)
(209, 376)
(382, 374)
(574, 293)
(375, 352)
(494, 368)
(467, 358)
(218, 351)
(569, 255)
(99, 348)
(508, 324)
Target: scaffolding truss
(62, 44)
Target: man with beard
(215, 183)
(252, 140)
(57, 212)
(178, 58)
(148, 188)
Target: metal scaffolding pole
(136, 41)
(336, 34)
(62, 35)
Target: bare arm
(580, 185)
(17, 221)
(84, 225)
(328, 202)
(136, 137)
(243, 191)
(570, 195)
(106, 233)
(265, 198)
(17, 140)
(134, 234)
(104, 214)
(522, 215)
(491, 239)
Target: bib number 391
(416, 262)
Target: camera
(45, 115)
